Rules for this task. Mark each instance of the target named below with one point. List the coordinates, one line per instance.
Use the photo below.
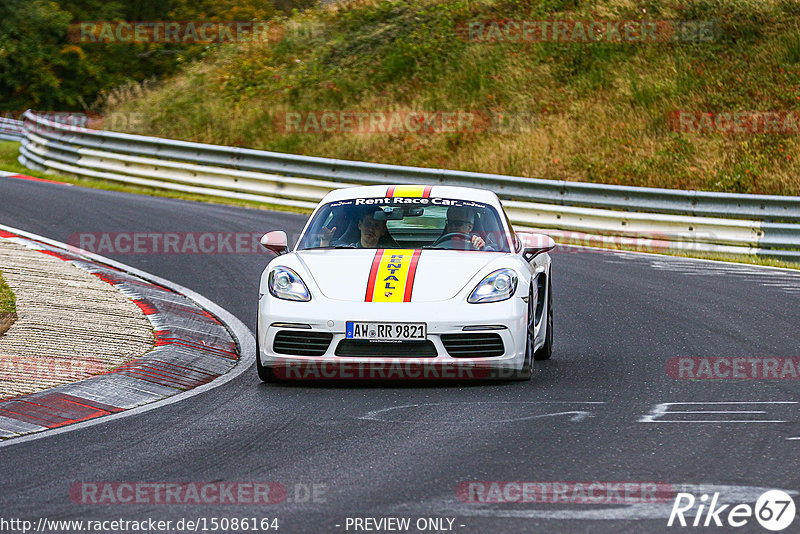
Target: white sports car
(405, 282)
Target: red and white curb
(198, 346)
(6, 174)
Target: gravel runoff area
(70, 324)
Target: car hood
(345, 274)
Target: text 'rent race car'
(405, 282)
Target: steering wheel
(451, 236)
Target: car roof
(417, 190)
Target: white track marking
(382, 414)
(663, 410)
(785, 280)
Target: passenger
(372, 234)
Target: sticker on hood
(391, 278)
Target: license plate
(386, 331)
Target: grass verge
(589, 111)
(8, 308)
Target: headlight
(286, 284)
(500, 285)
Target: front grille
(473, 345)
(301, 342)
(403, 349)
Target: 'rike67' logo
(774, 510)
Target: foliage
(41, 68)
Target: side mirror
(275, 242)
(535, 244)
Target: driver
(460, 220)
(371, 231)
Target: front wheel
(527, 367)
(266, 374)
(546, 350)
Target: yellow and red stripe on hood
(391, 278)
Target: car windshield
(406, 223)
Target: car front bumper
(506, 319)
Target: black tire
(546, 350)
(266, 374)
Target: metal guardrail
(688, 220)
(10, 129)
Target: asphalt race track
(596, 412)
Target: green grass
(9, 150)
(8, 306)
(600, 110)
(7, 299)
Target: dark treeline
(41, 68)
